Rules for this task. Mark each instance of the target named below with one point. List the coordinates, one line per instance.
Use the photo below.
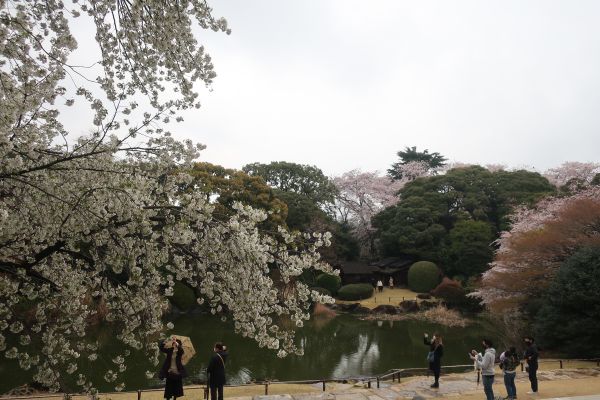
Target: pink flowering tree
(97, 228)
(572, 173)
(539, 240)
(364, 194)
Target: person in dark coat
(172, 369)
(216, 371)
(436, 352)
(531, 356)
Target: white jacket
(486, 362)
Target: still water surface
(343, 346)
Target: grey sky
(345, 84)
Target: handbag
(431, 356)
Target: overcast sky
(346, 84)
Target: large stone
(426, 305)
(344, 307)
(385, 309)
(409, 306)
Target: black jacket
(531, 356)
(216, 369)
(165, 367)
(438, 351)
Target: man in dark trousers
(216, 371)
(531, 356)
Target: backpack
(510, 363)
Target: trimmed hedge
(355, 291)
(330, 282)
(183, 297)
(423, 276)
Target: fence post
(377, 382)
(139, 394)
(369, 384)
(521, 367)
(323, 384)
(560, 364)
(266, 388)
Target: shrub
(452, 293)
(183, 297)
(355, 291)
(330, 282)
(423, 276)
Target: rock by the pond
(426, 305)
(385, 309)
(344, 307)
(424, 296)
(409, 306)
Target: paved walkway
(451, 386)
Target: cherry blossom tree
(363, 194)
(98, 227)
(572, 172)
(540, 239)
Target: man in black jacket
(216, 372)
(531, 356)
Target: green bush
(183, 297)
(355, 291)
(329, 282)
(423, 276)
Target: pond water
(344, 346)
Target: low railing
(394, 375)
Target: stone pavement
(452, 385)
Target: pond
(344, 346)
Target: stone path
(452, 385)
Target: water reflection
(365, 357)
(333, 347)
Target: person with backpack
(509, 361)
(216, 371)
(486, 364)
(531, 357)
(434, 357)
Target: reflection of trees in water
(364, 358)
(337, 347)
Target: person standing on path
(216, 371)
(379, 286)
(172, 369)
(509, 361)
(486, 364)
(531, 357)
(391, 282)
(436, 352)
